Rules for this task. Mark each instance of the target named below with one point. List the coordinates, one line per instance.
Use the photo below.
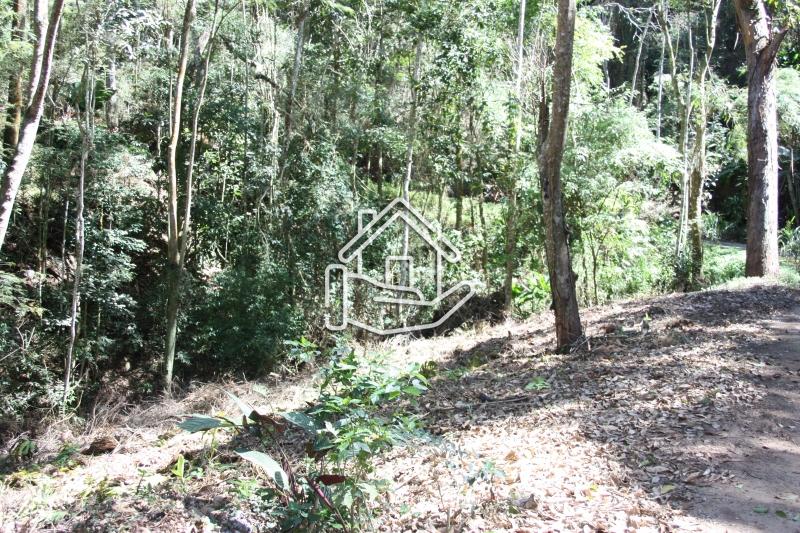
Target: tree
(510, 249)
(86, 125)
(15, 98)
(12, 177)
(178, 239)
(762, 38)
(553, 133)
(698, 175)
(174, 238)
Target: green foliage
(358, 414)
(789, 240)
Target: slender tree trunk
(660, 88)
(698, 175)
(559, 263)
(15, 96)
(12, 178)
(112, 106)
(39, 26)
(639, 57)
(174, 260)
(511, 215)
(86, 126)
(794, 193)
(761, 47)
(298, 60)
(411, 136)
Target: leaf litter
(621, 434)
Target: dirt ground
(679, 413)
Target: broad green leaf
(269, 465)
(243, 406)
(760, 510)
(301, 420)
(196, 423)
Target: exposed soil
(680, 412)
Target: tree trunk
(174, 261)
(511, 215)
(112, 106)
(559, 265)
(412, 133)
(642, 38)
(298, 59)
(794, 193)
(15, 97)
(12, 178)
(86, 126)
(698, 176)
(39, 24)
(761, 47)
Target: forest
(262, 261)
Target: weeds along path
(679, 413)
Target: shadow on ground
(695, 395)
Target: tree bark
(411, 136)
(112, 105)
(39, 24)
(174, 261)
(559, 264)
(636, 64)
(511, 215)
(15, 97)
(761, 42)
(298, 60)
(698, 176)
(794, 193)
(85, 124)
(12, 178)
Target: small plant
(23, 449)
(359, 414)
(789, 239)
(537, 383)
(179, 470)
(65, 457)
(535, 291)
(302, 352)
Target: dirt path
(763, 447)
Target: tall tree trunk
(642, 38)
(12, 178)
(698, 175)
(86, 126)
(559, 264)
(411, 136)
(761, 42)
(794, 191)
(298, 59)
(39, 25)
(660, 88)
(511, 215)
(15, 96)
(174, 260)
(112, 105)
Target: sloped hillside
(677, 413)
